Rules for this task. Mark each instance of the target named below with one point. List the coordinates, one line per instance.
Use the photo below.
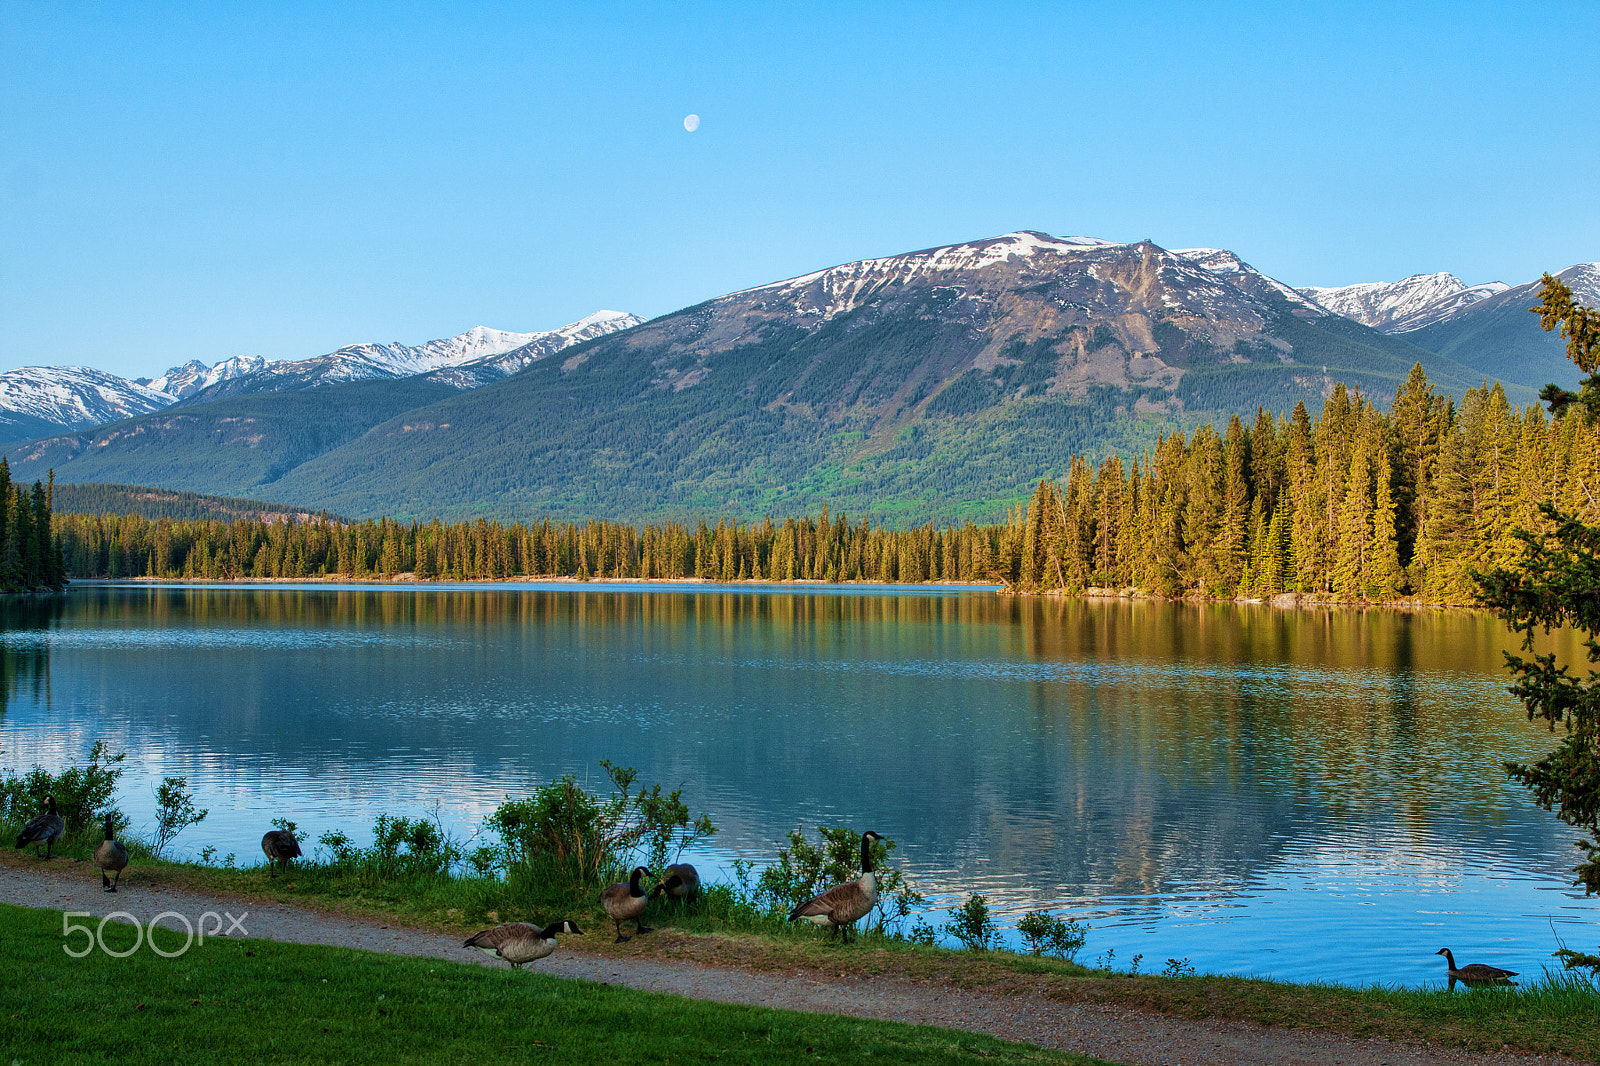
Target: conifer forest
(1360, 504)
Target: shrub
(175, 812)
(83, 793)
(1042, 932)
(402, 848)
(972, 924)
(565, 837)
(804, 869)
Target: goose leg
(638, 924)
(116, 881)
(105, 882)
(620, 938)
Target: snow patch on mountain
(1584, 281)
(73, 396)
(1229, 265)
(848, 279)
(188, 379)
(1403, 306)
(466, 361)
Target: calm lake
(1298, 794)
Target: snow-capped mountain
(996, 358)
(465, 361)
(44, 399)
(36, 401)
(1403, 306)
(186, 380)
(1226, 264)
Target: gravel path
(1114, 1033)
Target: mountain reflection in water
(1213, 781)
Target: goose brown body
(110, 855)
(626, 902)
(1475, 973)
(843, 905)
(279, 846)
(682, 881)
(43, 828)
(520, 942)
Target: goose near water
(624, 902)
(1475, 973)
(43, 828)
(279, 846)
(520, 942)
(682, 882)
(110, 855)
(842, 905)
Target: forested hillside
(30, 555)
(938, 385)
(1359, 504)
(148, 502)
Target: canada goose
(279, 846)
(625, 901)
(110, 855)
(46, 827)
(682, 882)
(1475, 973)
(842, 905)
(519, 942)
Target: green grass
(1555, 1014)
(255, 1000)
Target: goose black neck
(633, 884)
(110, 834)
(866, 855)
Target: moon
(691, 122)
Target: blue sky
(202, 181)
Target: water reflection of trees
(1103, 746)
(24, 662)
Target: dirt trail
(1114, 1033)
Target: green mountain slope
(153, 503)
(1501, 340)
(235, 447)
(937, 384)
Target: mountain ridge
(940, 382)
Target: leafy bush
(401, 848)
(567, 835)
(83, 793)
(1062, 937)
(175, 812)
(972, 924)
(804, 869)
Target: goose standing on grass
(110, 855)
(624, 902)
(520, 942)
(43, 828)
(279, 846)
(1474, 974)
(842, 905)
(683, 881)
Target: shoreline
(1281, 600)
(1211, 1020)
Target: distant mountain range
(35, 401)
(938, 383)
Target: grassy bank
(1552, 1016)
(234, 999)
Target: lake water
(1300, 794)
